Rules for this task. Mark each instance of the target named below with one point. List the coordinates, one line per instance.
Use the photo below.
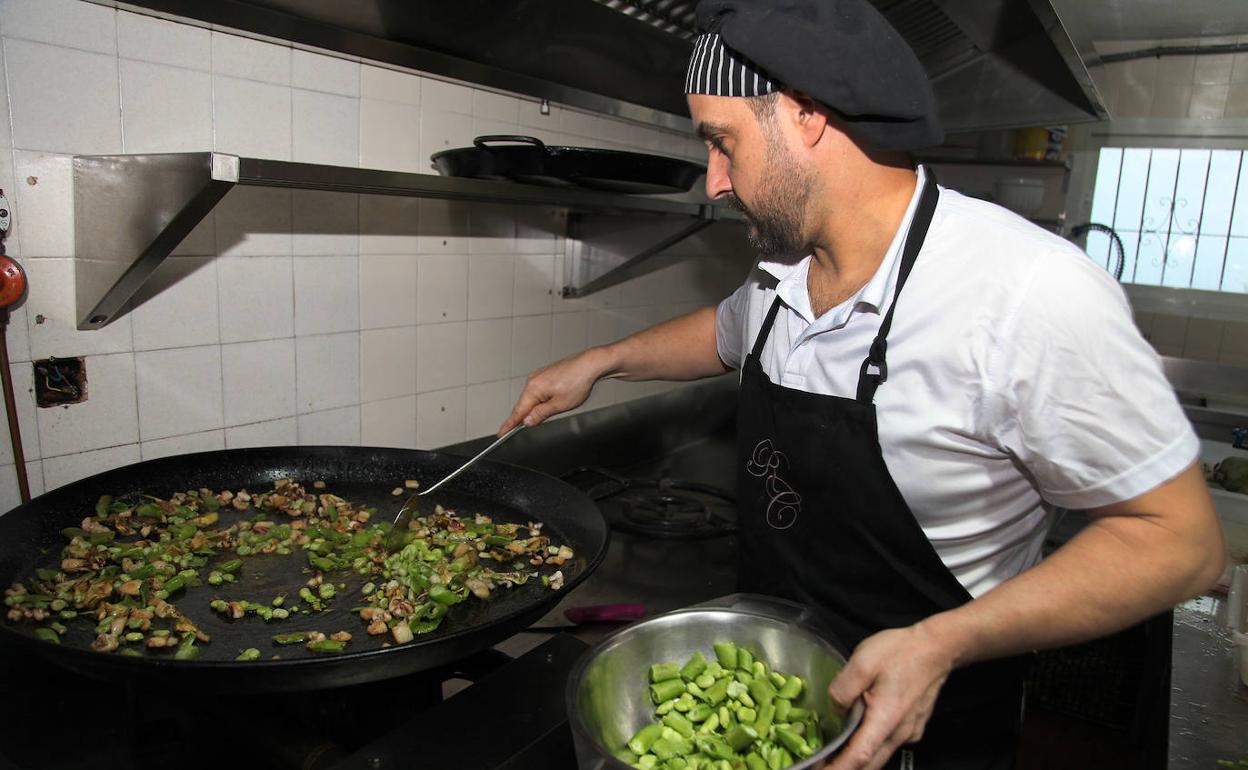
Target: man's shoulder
(988, 244)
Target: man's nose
(717, 182)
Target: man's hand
(556, 388)
(898, 672)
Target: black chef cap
(841, 53)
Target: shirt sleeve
(1077, 395)
(730, 320)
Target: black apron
(823, 523)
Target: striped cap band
(717, 70)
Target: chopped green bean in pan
(127, 567)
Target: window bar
(1230, 226)
(1174, 206)
(1200, 220)
(1148, 174)
(1113, 214)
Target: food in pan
(124, 570)
(731, 712)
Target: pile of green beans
(730, 713)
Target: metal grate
(1182, 216)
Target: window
(1182, 216)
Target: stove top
(660, 506)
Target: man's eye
(718, 144)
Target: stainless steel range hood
(994, 63)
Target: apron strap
(761, 339)
(869, 381)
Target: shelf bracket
(127, 205)
(603, 250)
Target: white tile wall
(252, 118)
(390, 135)
(180, 445)
(326, 128)
(45, 198)
(390, 423)
(328, 371)
(325, 223)
(242, 57)
(442, 288)
(27, 420)
(165, 109)
(570, 334)
(179, 391)
(333, 426)
(491, 285)
(59, 471)
(530, 343)
(390, 85)
(270, 433)
(108, 417)
(258, 381)
(440, 418)
(61, 22)
(178, 305)
(440, 355)
(389, 225)
(488, 404)
(388, 364)
(327, 295)
(535, 277)
(51, 299)
(254, 222)
(387, 290)
(489, 350)
(10, 493)
(164, 42)
(291, 317)
(256, 295)
(442, 130)
(318, 72)
(439, 95)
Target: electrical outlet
(60, 381)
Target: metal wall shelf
(131, 211)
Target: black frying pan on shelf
(30, 537)
(529, 160)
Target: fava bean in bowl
(740, 685)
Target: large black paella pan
(31, 537)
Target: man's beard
(776, 220)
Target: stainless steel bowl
(608, 695)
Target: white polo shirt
(1017, 380)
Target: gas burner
(663, 508)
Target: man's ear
(809, 116)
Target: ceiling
(1104, 20)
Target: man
(900, 451)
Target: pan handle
(484, 141)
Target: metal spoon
(395, 537)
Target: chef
(925, 379)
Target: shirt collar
(874, 296)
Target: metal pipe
(10, 409)
(1171, 50)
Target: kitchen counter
(1208, 703)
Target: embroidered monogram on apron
(822, 522)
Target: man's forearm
(680, 349)
(1122, 568)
